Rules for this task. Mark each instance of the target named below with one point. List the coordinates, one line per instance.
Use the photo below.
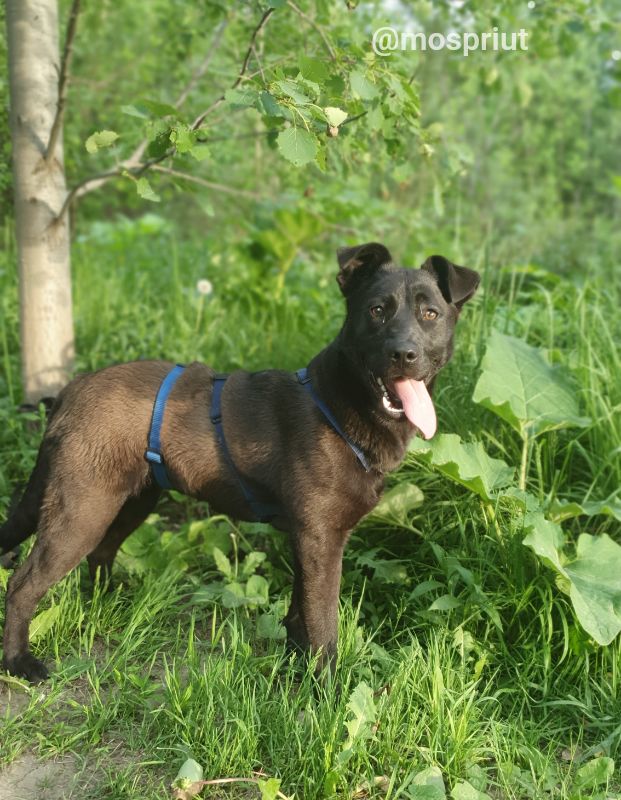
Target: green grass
(505, 691)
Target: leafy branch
(133, 165)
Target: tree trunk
(46, 319)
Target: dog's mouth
(406, 396)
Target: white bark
(46, 319)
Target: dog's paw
(9, 560)
(27, 666)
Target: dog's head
(399, 325)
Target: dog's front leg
(312, 620)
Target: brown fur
(92, 487)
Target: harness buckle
(153, 457)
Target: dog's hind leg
(71, 525)
(132, 514)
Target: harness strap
(262, 511)
(304, 379)
(153, 453)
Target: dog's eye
(377, 312)
(429, 314)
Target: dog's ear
(358, 259)
(457, 284)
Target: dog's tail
(24, 514)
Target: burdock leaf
(464, 462)
(519, 385)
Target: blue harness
(262, 511)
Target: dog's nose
(404, 358)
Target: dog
(314, 448)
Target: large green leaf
(519, 385)
(593, 575)
(560, 510)
(427, 785)
(463, 790)
(297, 145)
(398, 502)
(465, 462)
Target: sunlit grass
(506, 690)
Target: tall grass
(505, 690)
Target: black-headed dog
(309, 450)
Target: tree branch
(134, 164)
(219, 187)
(314, 25)
(262, 23)
(203, 66)
(63, 80)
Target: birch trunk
(46, 318)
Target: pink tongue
(417, 405)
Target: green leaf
(269, 626)
(100, 139)
(268, 105)
(159, 109)
(135, 111)
(190, 770)
(427, 785)
(183, 138)
(257, 591)
(546, 539)
(560, 511)
(361, 86)
(519, 385)
(335, 116)
(594, 773)
(397, 503)
(593, 575)
(43, 622)
(241, 98)
(222, 562)
(464, 462)
(200, 152)
(251, 562)
(331, 782)
(314, 69)
(269, 788)
(145, 190)
(4, 577)
(189, 780)
(445, 603)
(294, 90)
(233, 596)
(214, 534)
(466, 791)
(297, 145)
(362, 714)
